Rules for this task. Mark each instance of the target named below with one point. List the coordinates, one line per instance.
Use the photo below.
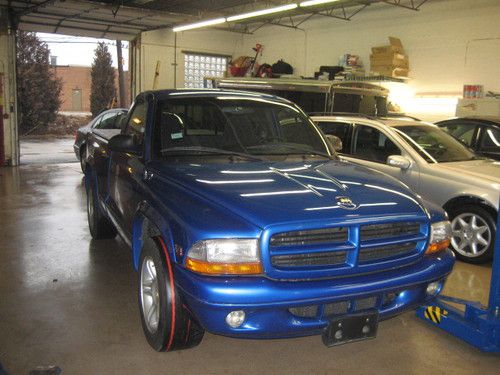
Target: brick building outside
(75, 94)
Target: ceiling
(125, 19)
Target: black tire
(484, 216)
(83, 149)
(99, 225)
(176, 328)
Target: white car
(433, 164)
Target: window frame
(475, 134)
(481, 134)
(346, 146)
(353, 136)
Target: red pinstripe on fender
(172, 288)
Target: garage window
(198, 66)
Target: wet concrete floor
(70, 301)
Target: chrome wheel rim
(471, 235)
(150, 295)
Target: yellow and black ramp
(435, 314)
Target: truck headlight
(440, 237)
(225, 257)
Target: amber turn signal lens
(223, 268)
(438, 246)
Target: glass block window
(198, 66)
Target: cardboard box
(397, 60)
(390, 71)
(395, 46)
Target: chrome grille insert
(371, 254)
(378, 231)
(328, 258)
(309, 237)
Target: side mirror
(335, 141)
(124, 143)
(399, 161)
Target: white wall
(159, 46)
(449, 43)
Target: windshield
(435, 145)
(234, 125)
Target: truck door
(126, 170)
(97, 149)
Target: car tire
(99, 225)
(83, 150)
(473, 233)
(167, 323)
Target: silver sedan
(433, 164)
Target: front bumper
(276, 308)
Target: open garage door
(87, 18)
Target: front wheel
(166, 322)
(473, 234)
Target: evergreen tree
(102, 90)
(38, 89)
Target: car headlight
(440, 237)
(225, 257)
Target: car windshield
(435, 145)
(251, 128)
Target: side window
(490, 141)
(96, 122)
(137, 120)
(338, 129)
(461, 131)
(106, 121)
(373, 145)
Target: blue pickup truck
(243, 222)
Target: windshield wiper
(210, 150)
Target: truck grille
(344, 250)
(344, 307)
(328, 258)
(382, 252)
(376, 231)
(309, 237)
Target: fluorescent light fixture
(262, 12)
(197, 25)
(311, 3)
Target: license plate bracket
(350, 328)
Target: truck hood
(476, 169)
(274, 193)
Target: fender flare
(147, 221)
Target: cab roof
(210, 93)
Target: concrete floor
(69, 301)
(47, 150)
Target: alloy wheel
(471, 235)
(150, 296)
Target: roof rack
(401, 115)
(350, 114)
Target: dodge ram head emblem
(345, 202)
